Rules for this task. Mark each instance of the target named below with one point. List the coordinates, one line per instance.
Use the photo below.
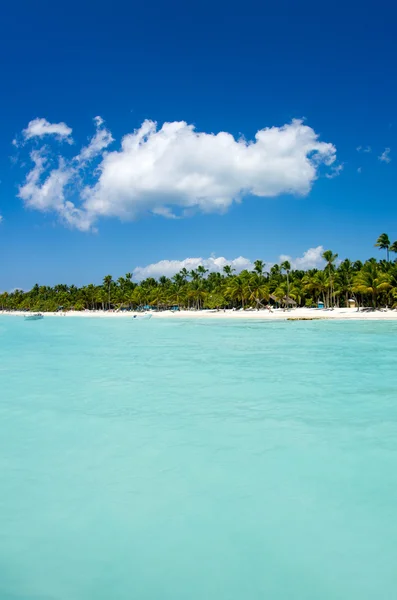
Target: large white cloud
(174, 170)
(310, 259)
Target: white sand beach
(364, 314)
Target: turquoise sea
(197, 460)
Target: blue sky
(220, 68)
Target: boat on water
(142, 317)
(34, 317)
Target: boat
(34, 317)
(142, 317)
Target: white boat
(142, 317)
(34, 317)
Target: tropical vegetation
(371, 284)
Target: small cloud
(359, 170)
(164, 211)
(366, 149)
(41, 127)
(335, 171)
(97, 144)
(385, 156)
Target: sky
(142, 137)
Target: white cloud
(365, 149)
(311, 259)
(49, 194)
(171, 267)
(335, 171)
(176, 166)
(385, 156)
(174, 170)
(41, 127)
(97, 144)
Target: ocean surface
(197, 460)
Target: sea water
(192, 460)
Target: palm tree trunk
(288, 288)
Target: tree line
(372, 283)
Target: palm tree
(370, 281)
(280, 293)
(177, 294)
(330, 259)
(178, 279)
(259, 267)
(275, 270)
(228, 270)
(383, 243)
(237, 289)
(184, 273)
(317, 283)
(201, 271)
(158, 296)
(258, 290)
(393, 247)
(373, 283)
(122, 283)
(163, 281)
(199, 295)
(286, 266)
(345, 278)
(107, 282)
(194, 275)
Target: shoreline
(347, 314)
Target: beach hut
(289, 301)
(284, 301)
(320, 304)
(351, 303)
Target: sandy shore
(277, 314)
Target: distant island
(339, 284)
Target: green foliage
(373, 283)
